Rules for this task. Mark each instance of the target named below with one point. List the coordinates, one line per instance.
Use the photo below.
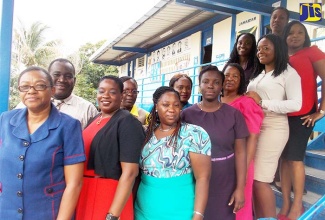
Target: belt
(222, 158)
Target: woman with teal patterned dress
(175, 164)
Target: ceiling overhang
(169, 19)
(165, 21)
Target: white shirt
(281, 94)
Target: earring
(156, 110)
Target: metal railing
(148, 85)
(314, 210)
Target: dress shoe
(286, 218)
(281, 216)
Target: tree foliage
(14, 93)
(30, 48)
(89, 73)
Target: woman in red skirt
(113, 142)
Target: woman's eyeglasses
(26, 88)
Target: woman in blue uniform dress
(41, 154)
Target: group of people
(61, 158)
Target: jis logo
(310, 12)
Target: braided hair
(154, 120)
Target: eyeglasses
(65, 76)
(132, 92)
(26, 88)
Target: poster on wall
(168, 59)
(251, 30)
(247, 23)
(172, 50)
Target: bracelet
(198, 213)
(110, 216)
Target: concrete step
(315, 180)
(308, 200)
(315, 185)
(315, 158)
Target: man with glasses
(62, 72)
(130, 94)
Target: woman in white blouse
(276, 87)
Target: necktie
(58, 103)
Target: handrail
(314, 210)
(145, 88)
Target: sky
(77, 22)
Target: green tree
(29, 48)
(14, 98)
(89, 73)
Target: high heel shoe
(286, 218)
(281, 216)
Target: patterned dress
(167, 177)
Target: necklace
(100, 120)
(165, 130)
(200, 106)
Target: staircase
(315, 176)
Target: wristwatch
(110, 216)
(322, 112)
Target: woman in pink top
(234, 88)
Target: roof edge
(109, 44)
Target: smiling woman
(113, 142)
(276, 87)
(183, 84)
(309, 61)
(243, 53)
(40, 153)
